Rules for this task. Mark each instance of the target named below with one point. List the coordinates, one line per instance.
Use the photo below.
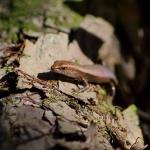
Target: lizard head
(64, 67)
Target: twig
(33, 79)
(66, 31)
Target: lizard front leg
(85, 84)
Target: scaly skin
(85, 73)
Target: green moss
(30, 26)
(116, 112)
(102, 91)
(65, 17)
(133, 108)
(11, 100)
(74, 104)
(19, 14)
(76, 20)
(131, 114)
(25, 7)
(101, 122)
(54, 97)
(8, 69)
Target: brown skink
(85, 73)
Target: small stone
(62, 109)
(48, 114)
(67, 127)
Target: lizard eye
(63, 68)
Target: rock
(63, 110)
(97, 40)
(88, 97)
(48, 115)
(68, 127)
(134, 135)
